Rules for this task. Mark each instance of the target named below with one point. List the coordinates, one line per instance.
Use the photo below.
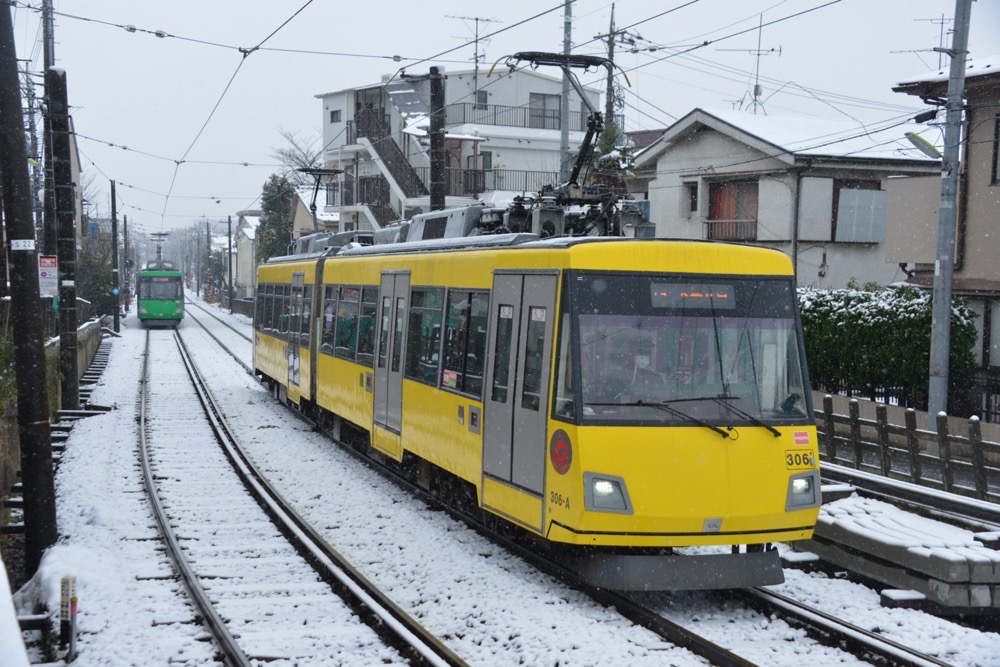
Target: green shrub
(859, 339)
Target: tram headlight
(605, 493)
(803, 491)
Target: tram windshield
(715, 351)
(160, 287)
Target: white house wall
(700, 157)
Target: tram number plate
(559, 499)
(799, 460)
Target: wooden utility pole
(438, 174)
(40, 530)
(62, 175)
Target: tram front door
(517, 392)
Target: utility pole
(229, 267)
(609, 103)
(49, 238)
(937, 390)
(37, 177)
(128, 267)
(438, 174)
(208, 255)
(40, 527)
(564, 103)
(197, 263)
(115, 283)
(62, 175)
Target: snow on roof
(973, 68)
(803, 135)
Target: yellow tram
(625, 401)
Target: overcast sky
(181, 114)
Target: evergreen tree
(275, 230)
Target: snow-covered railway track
(262, 598)
(221, 320)
(233, 341)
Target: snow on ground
(487, 605)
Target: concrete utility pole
(62, 175)
(40, 528)
(564, 105)
(937, 391)
(609, 103)
(115, 282)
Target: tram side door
(516, 402)
(294, 332)
(391, 336)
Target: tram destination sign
(718, 296)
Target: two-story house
(815, 189)
(912, 234)
(503, 138)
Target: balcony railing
(473, 182)
(731, 230)
(507, 116)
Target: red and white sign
(801, 437)
(48, 275)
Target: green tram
(161, 294)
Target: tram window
(465, 342)
(397, 333)
(383, 341)
(347, 322)
(501, 356)
(533, 346)
(307, 304)
(268, 315)
(329, 310)
(424, 335)
(260, 308)
(281, 310)
(564, 406)
(366, 325)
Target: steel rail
(230, 648)
(388, 620)
(830, 630)
(894, 490)
(213, 315)
(225, 347)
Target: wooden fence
(961, 464)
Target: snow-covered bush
(857, 339)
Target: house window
(332, 193)
(335, 116)
(482, 99)
(732, 211)
(691, 199)
(543, 111)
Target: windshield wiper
(722, 400)
(666, 408)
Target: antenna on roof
(475, 73)
(757, 89)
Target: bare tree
(301, 152)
